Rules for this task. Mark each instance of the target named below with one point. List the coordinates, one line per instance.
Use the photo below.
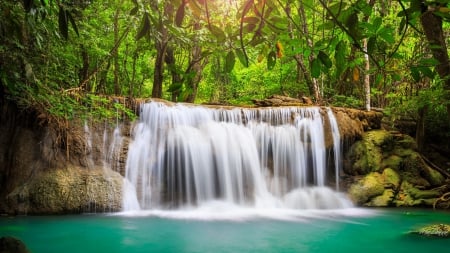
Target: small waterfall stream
(185, 156)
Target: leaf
(339, 57)
(376, 23)
(134, 11)
(242, 58)
(426, 72)
(315, 68)
(72, 22)
(145, 26)
(174, 87)
(352, 24)
(386, 34)
(248, 28)
(415, 74)
(337, 7)
(180, 15)
(230, 60)
(62, 23)
(280, 50)
(325, 59)
(271, 60)
(371, 44)
(217, 32)
(355, 74)
(247, 7)
(195, 8)
(252, 20)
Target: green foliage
(66, 56)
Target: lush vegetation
(65, 57)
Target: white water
(185, 157)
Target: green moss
(368, 187)
(432, 176)
(406, 142)
(380, 138)
(423, 194)
(391, 178)
(401, 152)
(392, 161)
(386, 199)
(435, 230)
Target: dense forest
(63, 58)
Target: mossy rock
(410, 195)
(391, 178)
(367, 155)
(71, 190)
(368, 187)
(432, 176)
(393, 161)
(384, 200)
(434, 230)
(405, 142)
(380, 138)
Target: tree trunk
(196, 67)
(176, 78)
(116, 54)
(161, 42)
(432, 27)
(313, 83)
(366, 76)
(420, 128)
(158, 75)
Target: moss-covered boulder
(393, 172)
(366, 188)
(366, 155)
(434, 230)
(71, 190)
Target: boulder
(434, 230)
(391, 172)
(70, 190)
(12, 245)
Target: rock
(384, 200)
(370, 186)
(366, 155)
(394, 173)
(12, 245)
(71, 190)
(391, 179)
(435, 230)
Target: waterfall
(337, 145)
(185, 156)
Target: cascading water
(185, 156)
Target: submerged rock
(435, 230)
(12, 245)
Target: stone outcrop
(38, 174)
(69, 190)
(388, 171)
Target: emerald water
(353, 230)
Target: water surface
(357, 230)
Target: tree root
(444, 198)
(434, 166)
